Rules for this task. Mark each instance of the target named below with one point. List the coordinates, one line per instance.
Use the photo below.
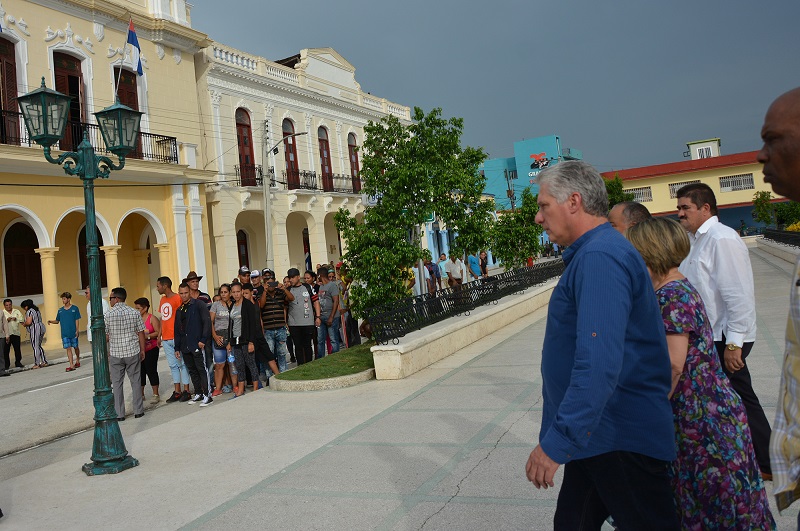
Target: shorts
(69, 342)
(220, 354)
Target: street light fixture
(45, 112)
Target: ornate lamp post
(45, 112)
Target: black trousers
(632, 488)
(198, 371)
(303, 338)
(13, 341)
(756, 419)
(150, 367)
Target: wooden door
(244, 139)
(128, 94)
(9, 124)
(69, 81)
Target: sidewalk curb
(324, 384)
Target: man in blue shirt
(605, 368)
(474, 264)
(68, 316)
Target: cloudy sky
(626, 82)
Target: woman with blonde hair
(715, 476)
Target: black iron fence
(394, 320)
(149, 146)
(783, 236)
(249, 174)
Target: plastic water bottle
(232, 360)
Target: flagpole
(119, 74)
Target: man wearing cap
(168, 307)
(272, 302)
(244, 275)
(192, 333)
(256, 281)
(302, 316)
(193, 280)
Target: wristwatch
(731, 346)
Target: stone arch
(33, 220)
(102, 225)
(155, 223)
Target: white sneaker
(206, 401)
(155, 400)
(195, 399)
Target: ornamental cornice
(356, 115)
(217, 71)
(115, 16)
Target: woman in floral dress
(715, 476)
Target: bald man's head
(780, 153)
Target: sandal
(35, 367)
(77, 364)
(69, 369)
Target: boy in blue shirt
(68, 317)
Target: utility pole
(510, 192)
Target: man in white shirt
(718, 265)
(455, 271)
(106, 307)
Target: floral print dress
(715, 477)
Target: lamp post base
(110, 467)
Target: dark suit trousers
(756, 419)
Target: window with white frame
(642, 194)
(674, 187)
(735, 183)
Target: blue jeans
(325, 331)
(276, 339)
(180, 375)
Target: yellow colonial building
(151, 216)
(734, 179)
(292, 128)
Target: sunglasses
(113, 297)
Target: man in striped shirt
(273, 302)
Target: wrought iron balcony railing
(300, 179)
(249, 174)
(149, 146)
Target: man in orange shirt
(170, 302)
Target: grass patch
(349, 361)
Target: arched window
(84, 259)
(241, 248)
(325, 159)
(128, 93)
(69, 81)
(9, 124)
(244, 138)
(354, 168)
(23, 268)
(290, 154)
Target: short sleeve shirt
(69, 320)
(168, 307)
(221, 315)
(301, 309)
(123, 325)
(326, 294)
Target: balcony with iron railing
(149, 146)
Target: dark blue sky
(626, 82)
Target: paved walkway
(442, 449)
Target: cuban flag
(136, 51)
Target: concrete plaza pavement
(442, 449)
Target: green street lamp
(45, 112)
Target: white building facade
(293, 127)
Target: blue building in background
(507, 177)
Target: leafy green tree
(415, 170)
(763, 210)
(787, 213)
(515, 235)
(615, 192)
